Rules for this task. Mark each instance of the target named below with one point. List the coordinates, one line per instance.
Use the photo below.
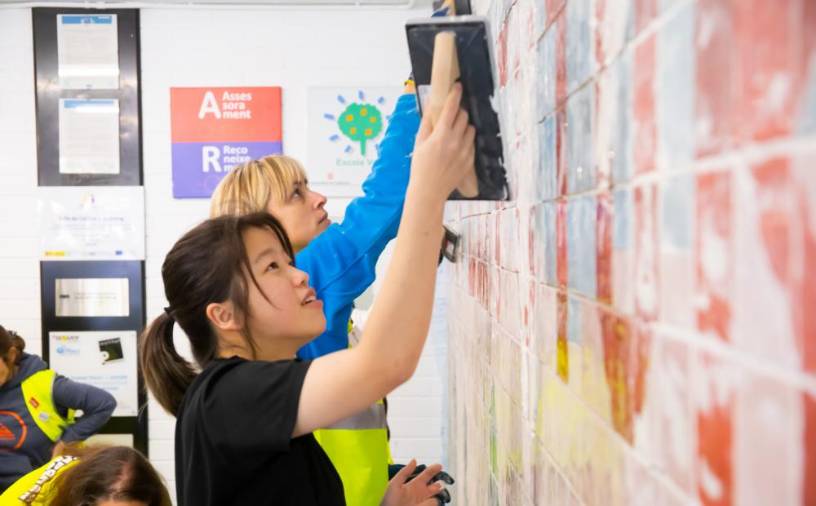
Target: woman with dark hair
(37, 410)
(91, 476)
(245, 420)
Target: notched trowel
(444, 50)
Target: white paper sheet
(88, 136)
(91, 297)
(104, 359)
(88, 51)
(91, 222)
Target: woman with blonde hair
(340, 260)
(245, 415)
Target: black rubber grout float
(446, 49)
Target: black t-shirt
(234, 442)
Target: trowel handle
(444, 73)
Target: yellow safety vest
(358, 448)
(37, 393)
(37, 487)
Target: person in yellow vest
(340, 259)
(91, 476)
(37, 410)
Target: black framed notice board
(89, 134)
(73, 73)
(92, 315)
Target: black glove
(442, 497)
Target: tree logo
(359, 122)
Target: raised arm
(396, 329)
(341, 261)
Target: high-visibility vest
(358, 448)
(37, 487)
(37, 393)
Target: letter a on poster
(216, 129)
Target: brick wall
(639, 325)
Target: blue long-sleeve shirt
(341, 261)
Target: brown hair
(8, 340)
(116, 473)
(207, 265)
(248, 188)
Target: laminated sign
(215, 129)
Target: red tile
(560, 59)
(809, 446)
(804, 285)
(768, 44)
(561, 243)
(639, 366)
(715, 427)
(604, 245)
(553, 9)
(561, 150)
(715, 110)
(807, 22)
(626, 361)
(806, 301)
(645, 12)
(774, 188)
(790, 244)
(645, 126)
(617, 339)
(714, 253)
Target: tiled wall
(639, 326)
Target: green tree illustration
(360, 123)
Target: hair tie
(169, 312)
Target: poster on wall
(88, 51)
(346, 125)
(105, 359)
(88, 136)
(91, 223)
(215, 129)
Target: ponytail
(166, 373)
(207, 265)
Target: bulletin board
(86, 65)
(92, 315)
